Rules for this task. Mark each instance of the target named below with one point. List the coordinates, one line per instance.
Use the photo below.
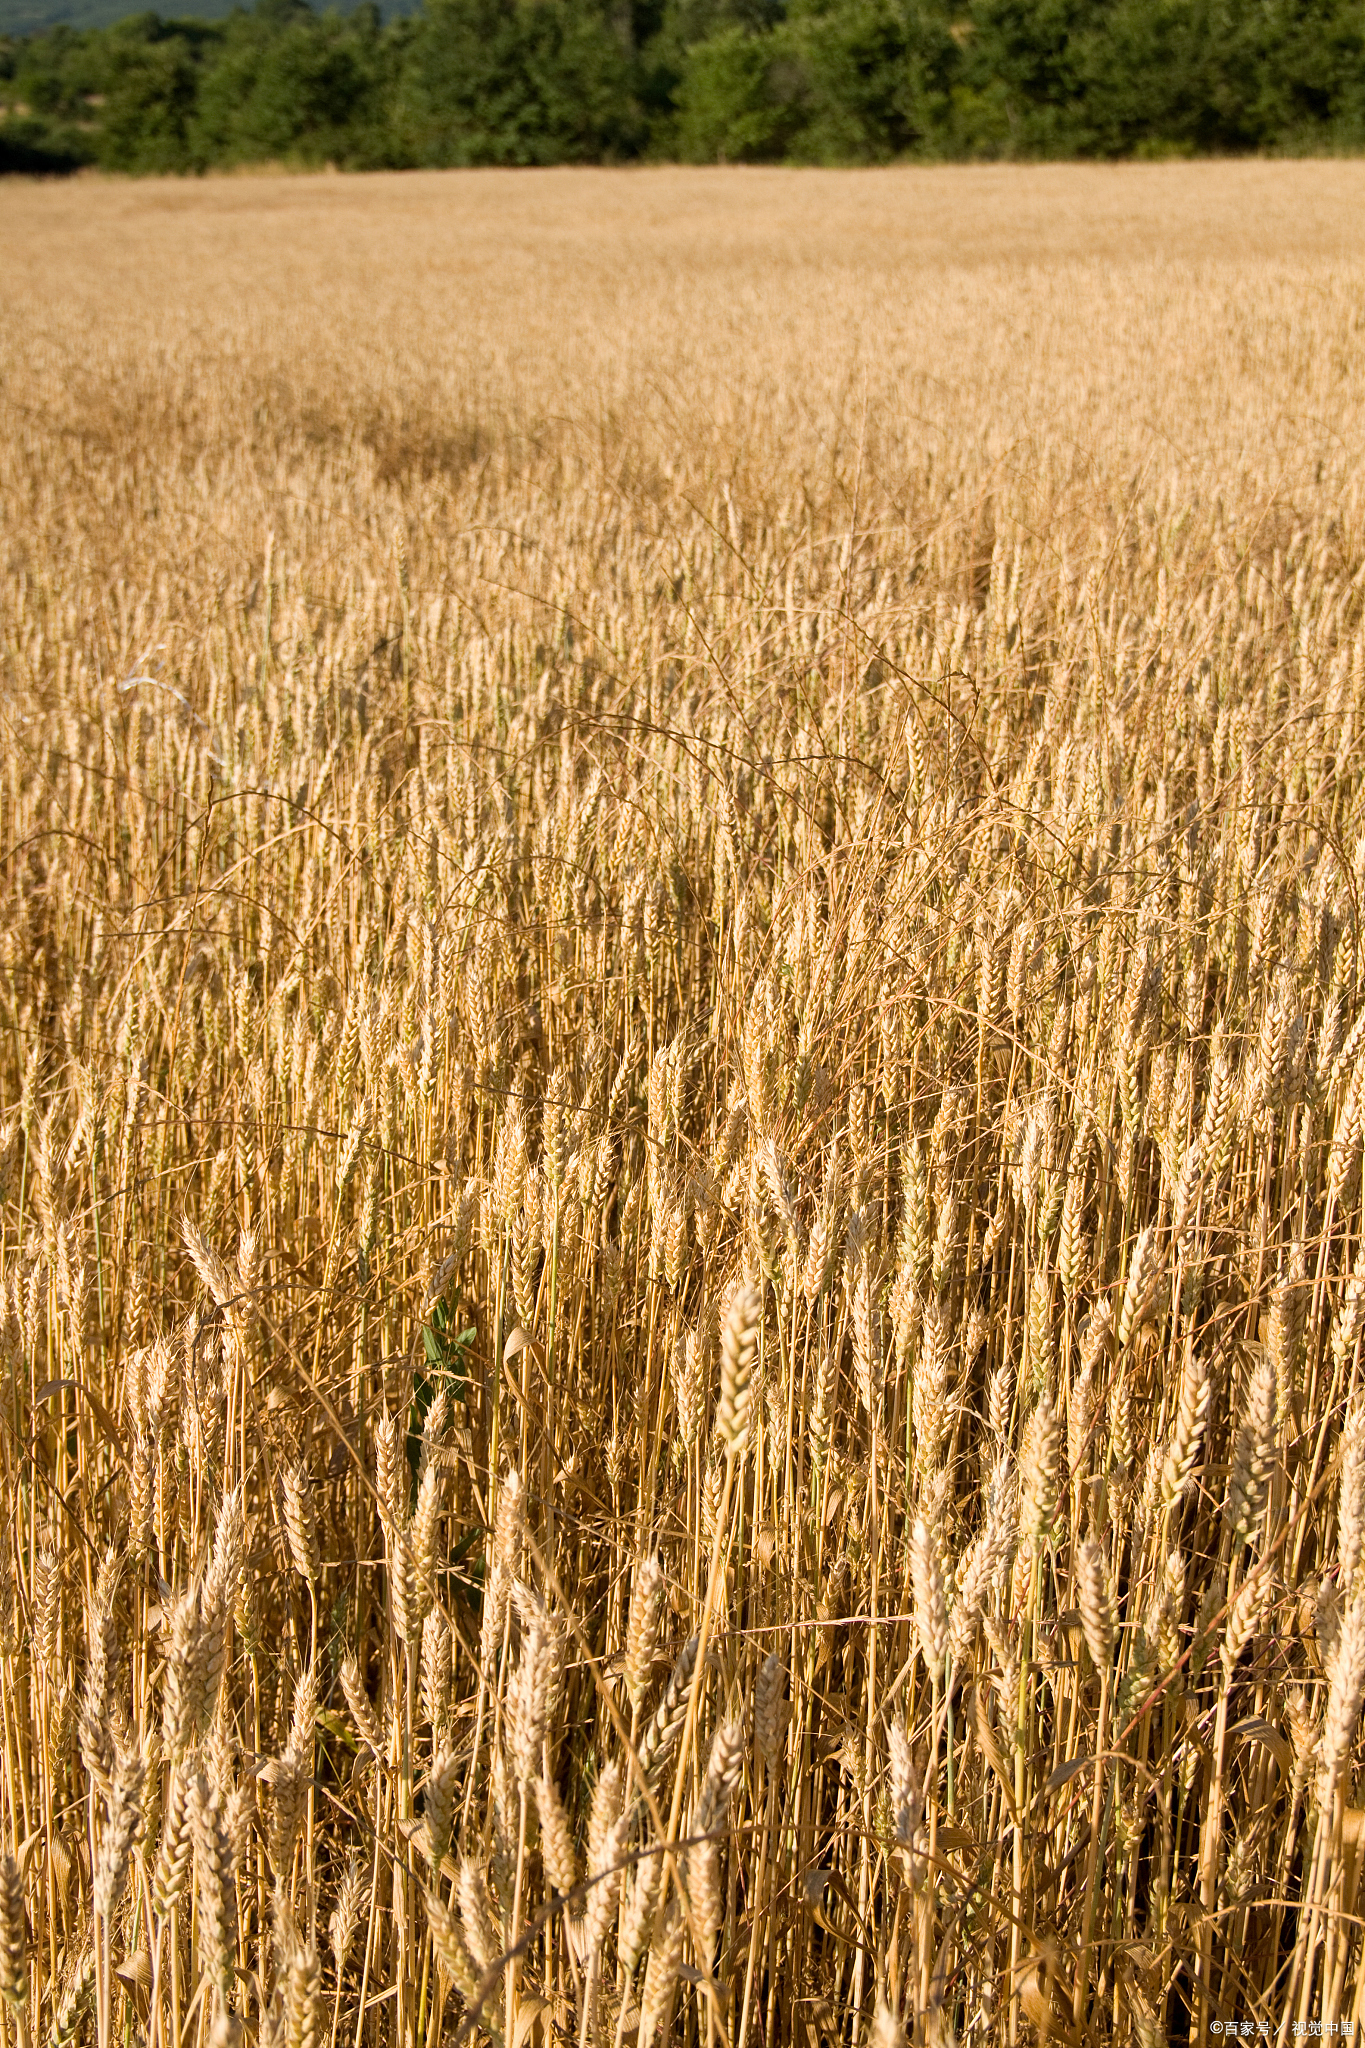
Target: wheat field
(682, 1084)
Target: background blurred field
(682, 1063)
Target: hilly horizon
(35, 17)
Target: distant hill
(25, 17)
(28, 17)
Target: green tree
(1142, 68)
(147, 75)
(291, 85)
(734, 104)
(1220, 75)
(877, 76)
(1018, 92)
(666, 32)
(859, 81)
(48, 123)
(516, 82)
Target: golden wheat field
(682, 1083)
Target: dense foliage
(566, 81)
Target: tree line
(608, 81)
